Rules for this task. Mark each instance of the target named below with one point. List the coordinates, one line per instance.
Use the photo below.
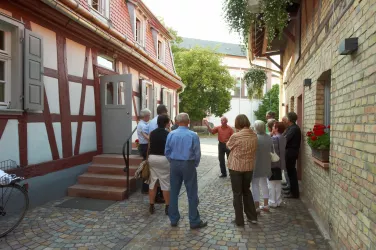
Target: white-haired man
(183, 152)
(224, 133)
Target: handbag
(273, 155)
(145, 173)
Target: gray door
(116, 107)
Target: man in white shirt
(161, 110)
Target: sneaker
(202, 224)
(252, 221)
(238, 225)
(222, 176)
(265, 208)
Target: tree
(208, 83)
(176, 38)
(270, 101)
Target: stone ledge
(324, 165)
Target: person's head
(163, 121)
(145, 115)
(182, 119)
(241, 121)
(285, 120)
(162, 110)
(292, 117)
(270, 115)
(224, 121)
(278, 128)
(260, 127)
(270, 124)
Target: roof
(222, 48)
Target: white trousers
(275, 193)
(256, 183)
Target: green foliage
(176, 38)
(255, 79)
(319, 137)
(273, 16)
(270, 102)
(207, 82)
(238, 17)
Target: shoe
(290, 196)
(166, 209)
(286, 188)
(239, 225)
(202, 224)
(265, 208)
(284, 183)
(174, 224)
(151, 209)
(252, 221)
(223, 176)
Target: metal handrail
(126, 160)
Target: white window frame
(142, 31)
(148, 94)
(109, 59)
(161, 57)
(105, 13)
(6, 57)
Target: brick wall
(344, 196)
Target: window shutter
(151, 100)
(155, 101)
(298, 35)
(171, 103)
(155, 40)
(33, 72)
(142, 94)
(163, 99)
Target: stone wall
(344, 195)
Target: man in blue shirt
(161, 110)
(143, 132)
(183, 152)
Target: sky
(200, 19)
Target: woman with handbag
(275, 181)
(158, 163)
(262, 170)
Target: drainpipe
(115, 37)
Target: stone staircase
(105, 178)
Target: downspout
(115, 37)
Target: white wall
(38, 146)
(75, 58)
(51, 86)
(9, 144)
(246, 107)
(49, 45)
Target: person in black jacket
(293, 139)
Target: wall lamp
(307, 82)
(348, 46)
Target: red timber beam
(3, 124)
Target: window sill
(15, 112)
(100, 16)
(324, 165)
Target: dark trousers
(222, 150)
(243, 199)
(293, 176)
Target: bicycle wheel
(14, 202)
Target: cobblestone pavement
(128, 225)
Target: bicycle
(14, 198)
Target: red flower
(328, 126)
(319, 132)
(137, 141)
(313, 138)
(309, 133)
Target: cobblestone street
(128, 224)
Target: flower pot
(321, 154)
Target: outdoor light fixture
(285, 83)
(348, 46)
(307, 82)
(283, 104)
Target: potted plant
(137, 142)
(319, 140)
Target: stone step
(113, 159)
(104, 180)
(98, 192)
(111, 169)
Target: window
(5, 67)
(101, 6)
(106, 62)
(138, 30)
(236, 92)
(327, 103)
(161, 51)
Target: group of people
(249, 157)
(174, 154)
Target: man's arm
(168, 147)
(145, 132)
(289, 134)
(213, 131)
(197, 150)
